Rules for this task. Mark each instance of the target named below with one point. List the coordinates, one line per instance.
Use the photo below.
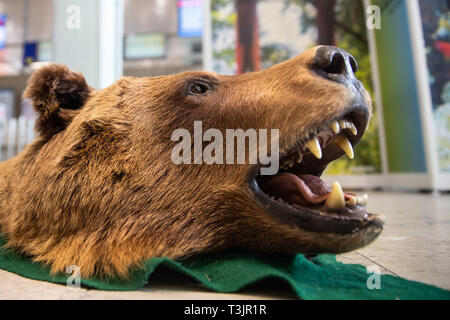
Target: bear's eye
(198, 88)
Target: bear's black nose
(335, 64)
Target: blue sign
(190, 18)
(2, 31)
(30, 52)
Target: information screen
(145, 46)
(190, 18)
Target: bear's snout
(336, 64)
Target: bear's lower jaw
(297, 195)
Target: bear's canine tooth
(345, 145)
(299, 157)
(336, 199)
(314, 146)
(335, 127)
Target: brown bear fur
(98, 189)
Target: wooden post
(325, 21)
(247, 47)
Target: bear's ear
(57, 94)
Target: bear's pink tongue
(301, 190)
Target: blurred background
(402, 47)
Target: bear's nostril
(353, 64)
(337, 64)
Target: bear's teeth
(345, 145)
(363, 201)
(353, 129)
(335, 127)
(336, 199)
(314, 146)
(352, 202)
(300, 157)
(291, 163)
(348, 125)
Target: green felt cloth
(319, 278)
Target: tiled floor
(415, 244)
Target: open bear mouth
(298, 196)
